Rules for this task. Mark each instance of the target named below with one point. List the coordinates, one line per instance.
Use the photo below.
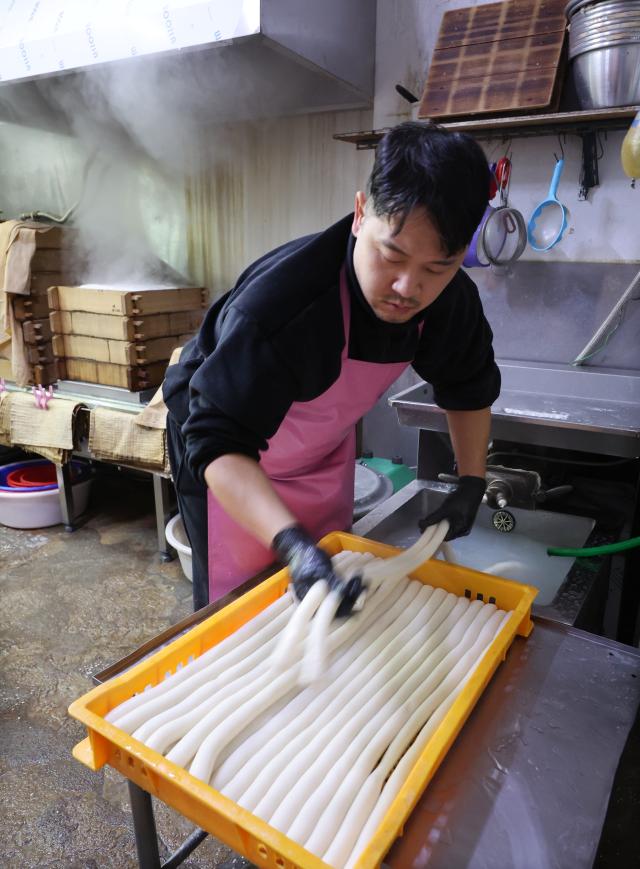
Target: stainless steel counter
(527, 782)
(551, 405)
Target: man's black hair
(423, 166)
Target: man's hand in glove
(308, 563)
(460, 507)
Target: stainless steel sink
(396, 522)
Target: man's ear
(358, 212)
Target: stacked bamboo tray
(119, 337)
(32, 311)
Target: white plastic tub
(40, 509)
(177, 537)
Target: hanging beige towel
(155, 413)
(53, 433)
(17, 247)
(5, 420)
(116, 436)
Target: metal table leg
(161, 498)
(65, 493)
(630, 595)
(144, 828)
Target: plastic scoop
(549, 221)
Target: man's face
(401, 274)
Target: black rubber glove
(460, 507)
(308, 563)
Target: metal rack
(588, 125)
(518, 126)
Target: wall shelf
(520, 126)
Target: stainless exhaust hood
(246, 58)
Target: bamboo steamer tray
(132, 377)
(121, 328)
(221, 816)
(39, 354)
(117, 352)
(496, 58)
(36, 331)
(44, 374)
(30, 307)
(126, 303)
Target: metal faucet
(513, 487)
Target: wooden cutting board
(496, 58)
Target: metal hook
(505, 146)
(589, 174)
(561, 148)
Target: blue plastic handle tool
(549, 221)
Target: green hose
(607, 549)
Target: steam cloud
(145, 126)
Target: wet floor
(70, 604)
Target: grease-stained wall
(250, 187)
(276, 181)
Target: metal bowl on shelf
(604, 29)
(610, 42)
(598, 7)
(604, 49)
(608, 77)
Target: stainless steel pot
(608, 76)
(591, 6)
(604, 49)
(594, 44)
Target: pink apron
(310, 462)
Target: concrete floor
(70, 604)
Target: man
(263, 403)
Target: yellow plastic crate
(219, 815)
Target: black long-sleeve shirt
(277, 338)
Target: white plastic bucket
(177, 537)
(40, 509)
